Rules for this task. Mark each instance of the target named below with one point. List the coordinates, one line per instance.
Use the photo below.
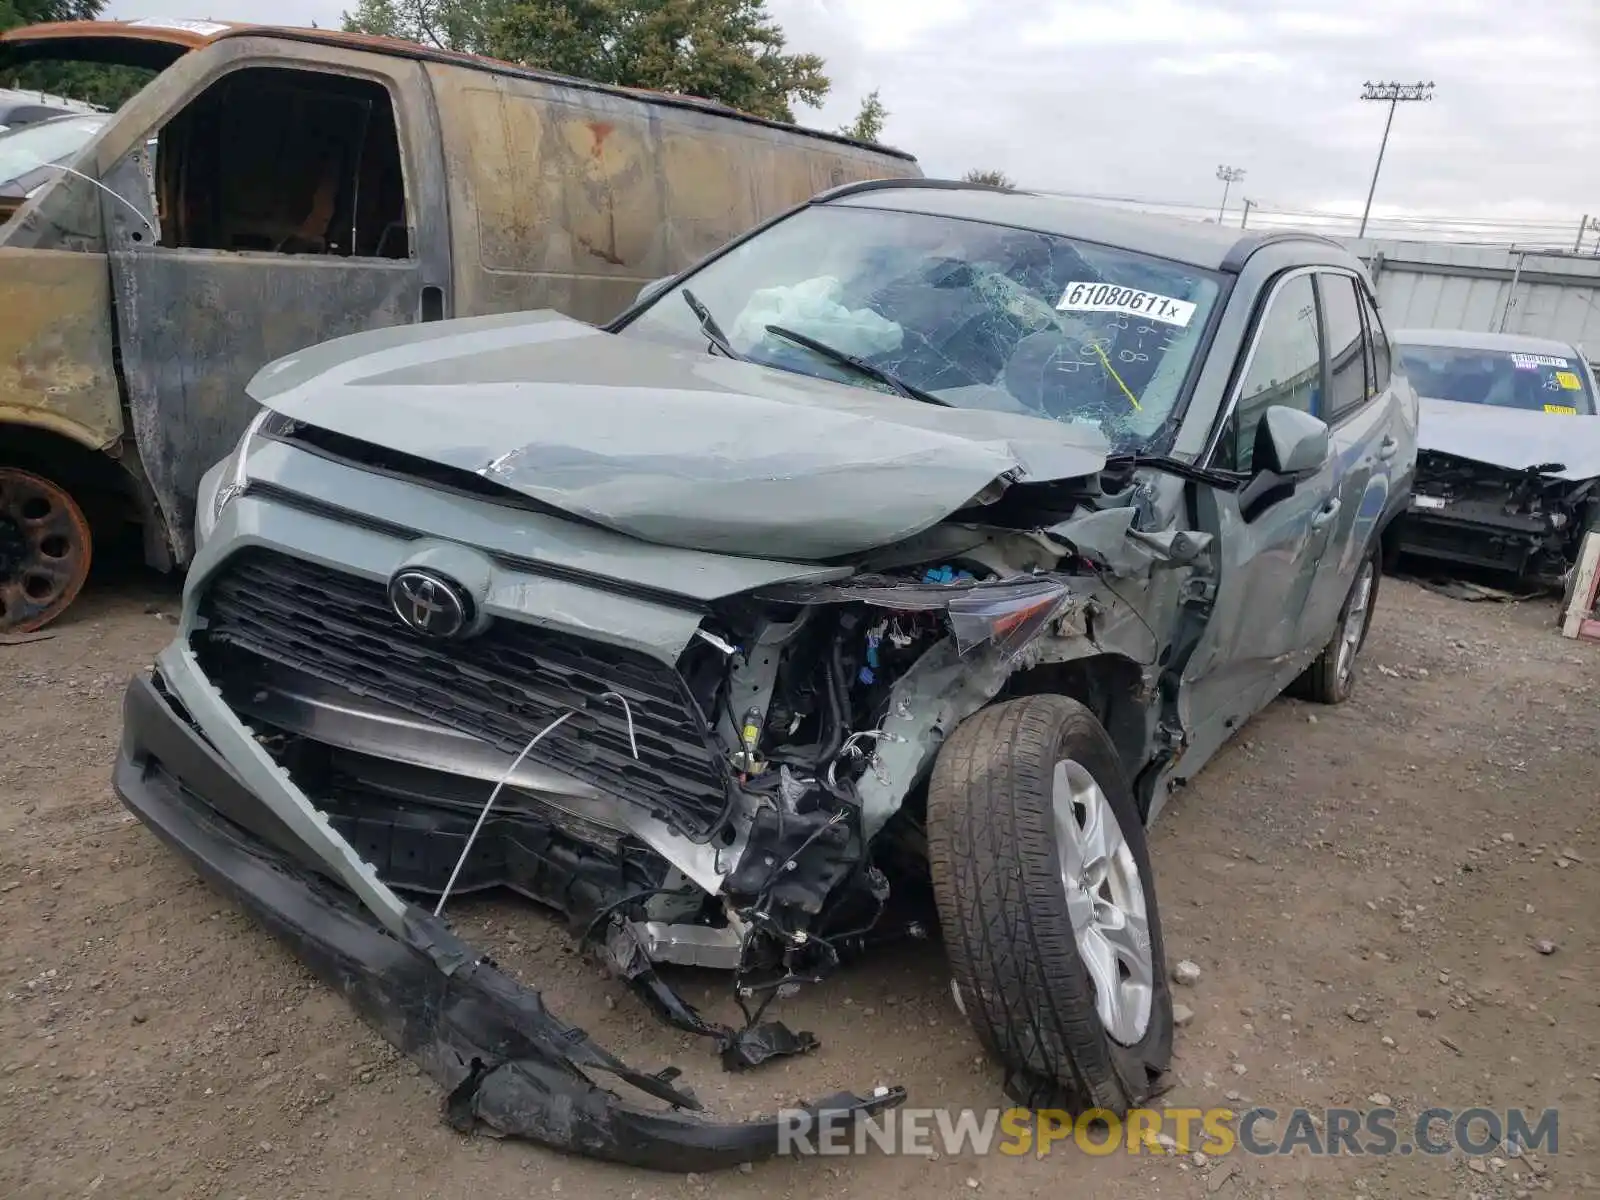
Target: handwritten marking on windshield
(1112, 371)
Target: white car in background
(1508, 467)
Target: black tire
(1321, 682)
(1015, 966)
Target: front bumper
(1476, 534)
(505, 1059)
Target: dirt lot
(1363, 889)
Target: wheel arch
(1111, 686)
(108, 487)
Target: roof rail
(879, 185)
(1246, 246)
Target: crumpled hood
(675, 447)
(1511, 438)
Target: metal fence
(1440, 285)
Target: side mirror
(1289, 443)
(652, 289)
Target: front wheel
(1331, 678)
(45, 548)
(1047, 904)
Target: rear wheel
(1331, 678)
(1047, 904)
(45, 547)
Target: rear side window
(1347, 351)
(1285, 369)
(1377, 344)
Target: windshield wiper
(1227, 481)
(709, 327)
(859, 365)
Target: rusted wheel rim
(44, 550)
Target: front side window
(1547, 383)
(284, 161)
(980, 316)
(1285, 368)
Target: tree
(997, 179)
(731, 51)
(448, 24)
(95, 82)
(868, 125)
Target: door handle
(1328, 512)
(1387, 447)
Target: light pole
(1393, 93)
(1229, 177)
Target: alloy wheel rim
(1105, 901)
(1355, 622)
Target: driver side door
(1267, 555)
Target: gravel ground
(1363, 889)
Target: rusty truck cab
(272, 188)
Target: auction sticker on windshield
(1532, 362)
(1108, 297)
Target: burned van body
(274, 187)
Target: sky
(1147, 98)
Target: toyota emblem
(428, 603)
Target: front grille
(502, 686)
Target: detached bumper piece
(507, 1062)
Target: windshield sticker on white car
(1561, 410)
(1532, 362)
(1569, 381)
(1108, 297)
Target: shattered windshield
(977, 315)
(1550, 383)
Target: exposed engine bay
(756, 810)
(1527, 522)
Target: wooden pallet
(1578, 616)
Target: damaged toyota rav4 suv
(898, 559)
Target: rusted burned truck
(274, 187)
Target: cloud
(1146, 98)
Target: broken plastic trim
(740, 1049)
(508, 1062)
